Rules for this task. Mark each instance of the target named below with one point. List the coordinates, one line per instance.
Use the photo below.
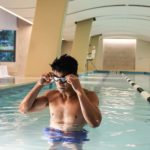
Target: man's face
(60, 81)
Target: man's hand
(73, 80)
(46, 79)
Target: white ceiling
(114, 18)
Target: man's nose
(60, 82)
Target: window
(7, 45)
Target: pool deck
(14, 81)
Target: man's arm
(88, 102)
(33, 103)
(89, 107)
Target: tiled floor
(8, 82)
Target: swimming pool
(125, 124)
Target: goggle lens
(62, 79)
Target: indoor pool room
(125, 112)
(74, 74)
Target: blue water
(125, 124)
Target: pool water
(125, 124)
(141, 79)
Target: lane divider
(145, 94)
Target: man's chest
(66, 111)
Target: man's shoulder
(92, 96)
(89, 92)
(51, 92)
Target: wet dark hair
(65, 64)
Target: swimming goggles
(62, 79)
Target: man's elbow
(23, 109)
(96, 123)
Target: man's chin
(61, 89)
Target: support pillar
(46, 37)
(81, 42)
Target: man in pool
(71, 106)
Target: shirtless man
(71, 106)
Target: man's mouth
(61, 88)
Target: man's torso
(65, 114)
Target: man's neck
(68, 94)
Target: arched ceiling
(114, 18)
